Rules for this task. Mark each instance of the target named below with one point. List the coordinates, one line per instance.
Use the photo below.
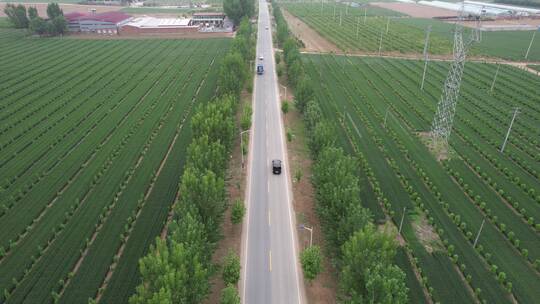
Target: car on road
(266, 27)
(260, 69)
(276, 166)
(261, 58)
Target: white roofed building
(153, 25)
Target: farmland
(381, 117)
(404, 35)
(92, 141)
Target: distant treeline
(530, 3)
(55, 23)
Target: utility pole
(339, 17)
(334, 12)
(357, 26)
(387, 24)
(380, 43)
(402, 218)
(426, 56)
(516, 111)
(310, 234)
(285, 90)
(365, 15)
(478, 234)
(495, 77)
(530, 44)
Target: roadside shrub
(229, 295)
(279, 70)
(285, 107)
(231, 269)
(246, 117)
(290, 135)
(311, 260)
(238, 211)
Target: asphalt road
(271, 272)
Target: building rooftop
(217, 14)
(152, 22)
(73, 15)
(112, 17)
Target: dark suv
(276, 166)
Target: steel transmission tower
(446, 108)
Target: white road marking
(270, 260)
(287, 182)
(245, 225)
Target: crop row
(95, 265)
(354, 32)
(88, 174)
(64, 171)
(96, 182)
(71, 129)
(462, 219)
(512, 183)
(515, 242)
(418, 193)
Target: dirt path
(311, 39)
(518, 64)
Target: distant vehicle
(266, 27)
(261, 58)
(260, 69)
(276, 166)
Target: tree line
(363, 254)
(237, 10)
(178, 268)
(21, 18)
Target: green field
(4, 22)
(404, 35)
(452, 196)
(511, 45)
(92, 141)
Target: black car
(276, 166)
